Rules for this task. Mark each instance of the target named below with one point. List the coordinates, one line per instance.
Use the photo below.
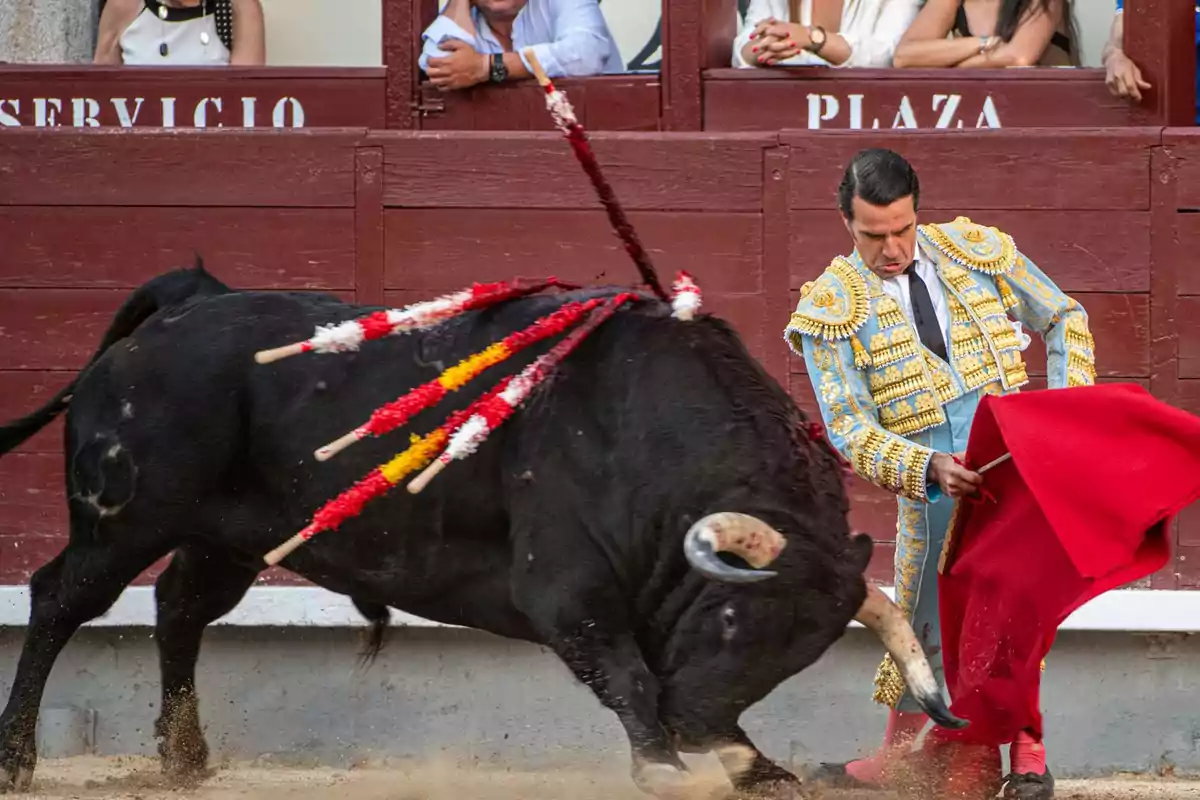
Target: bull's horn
(749, 537)
(884, 617)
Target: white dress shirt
(872, 28)
(569, 37)
(898, 289)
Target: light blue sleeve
(851, 419)
(1060, 320)
(581, 42)
(442, 26)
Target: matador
(902, 339)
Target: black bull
(583, 524)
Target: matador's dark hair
(878, 176)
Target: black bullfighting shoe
(1029, 786)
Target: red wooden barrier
(860, 99)
(696, 90)
(606, 102)
(529, 209)
(1176, 303)
(1158, 37)
(379, 217)
(89, 215)
(228, 97)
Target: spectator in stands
(482, 41)
(181, 32)
(833, 33)
(1123, 77)
(985, 33)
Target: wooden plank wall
(1176, 358)
(87, 217)
(393, 217)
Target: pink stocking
(1027, 755)
(902, 729)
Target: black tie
(923, 314)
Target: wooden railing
(179, 97)
(696, 90)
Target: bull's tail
(379, 616)
(160, 292)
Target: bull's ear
(861, 547)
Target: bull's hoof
(183, 751)
(774, 790)
(184, 775)
(660, 780)
(20, 780)
(16, 769)
(835, 776)
(767, 780)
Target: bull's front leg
(611, 665)
(581, 622)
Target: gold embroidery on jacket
(895, 383)
(988, 250)
(862, 359)
(980, 332)
(943, 381)
(910, 552)
(912, 415)
(1081, 349)
(835, 306)
(885, 461)
(1007, 297)
(888, 348)
(888, 313)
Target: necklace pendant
(163, 50)
(204, 38)
(162, 12)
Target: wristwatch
(498, 72)
(816, 39)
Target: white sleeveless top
(184, 33)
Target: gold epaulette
(983, 249)
(833, 306)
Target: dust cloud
(130, 778)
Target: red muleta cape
(1097, 474)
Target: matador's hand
(955, 479)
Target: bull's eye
(728, 623)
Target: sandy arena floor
(139, 779)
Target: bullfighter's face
(885, 236)
(495, 10)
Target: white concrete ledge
(1133, 610)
